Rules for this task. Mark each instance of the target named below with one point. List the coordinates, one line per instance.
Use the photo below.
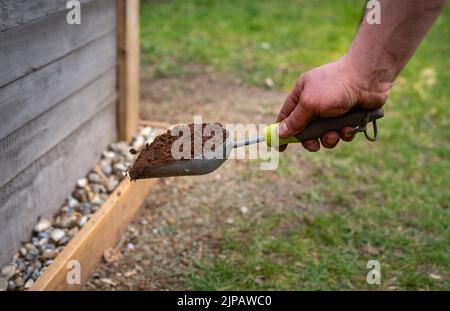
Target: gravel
(50, 235)
(57, 234)
(42, 225)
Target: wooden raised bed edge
(100, 233)
(159, 124)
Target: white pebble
(244, 210)
(72, 202)
(138, 142)
(28, 284)
(57, 235)
(43, 242)
(82, 183)
(110, 155)
(119, 167)
(146, 131)
(83, 220)
(8, 271)
(23, 251)
(50, 254)
(269, 83)
(42, 225)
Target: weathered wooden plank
(155, 123)
(26, 98)
(18, 12)
(20, 148)
(99, 233)
(42, 187)
(29, 47)
(129, 61)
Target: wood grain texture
(42, 187)
(159, 124)
(26, 98)
(18, 12)
(20, 148)
(100, 233)
(27, 48)
(129, 62)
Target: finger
(347, 134)
(291, 101)
(296, 121)
(330, 139)
(312, 145)
(289, 105)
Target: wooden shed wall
(58, 97)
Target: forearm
(365, 75)
(380, 51)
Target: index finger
(290, 102)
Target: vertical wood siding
(58, 96)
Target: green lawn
(390, 199)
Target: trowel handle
(356, 117)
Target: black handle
(356, 117)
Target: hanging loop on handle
(363, 128)
(375, 132)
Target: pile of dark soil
(159, 152)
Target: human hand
(329, 91)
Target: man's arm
(365, 75)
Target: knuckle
(292, 124)
(299, 84)
(301, 77)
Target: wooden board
(155, 124)
(26, 48)
(42, 187)
(18, 12)
(28, 143)
(129, 61)
(99, 233)
(26, 98)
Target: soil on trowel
(159, 152)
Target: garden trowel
(209, 162)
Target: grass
(387, 201)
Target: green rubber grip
(319, 126)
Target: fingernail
(330, 141)
(282, 129)
(312, 146)
(350, 136)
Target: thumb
(296, 121)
